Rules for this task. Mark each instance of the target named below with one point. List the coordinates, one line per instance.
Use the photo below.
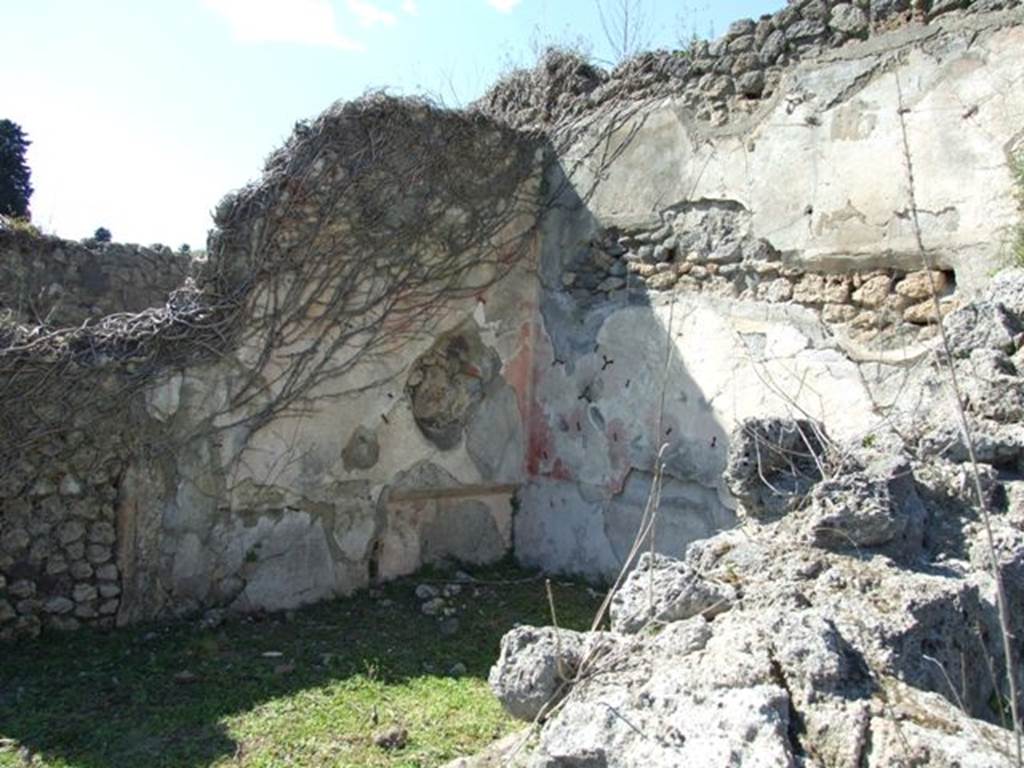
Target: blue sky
(143, 113)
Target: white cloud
(410, 7)
(306, 22)
(503, 6)
(369, 14)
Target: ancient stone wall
(780, 264)
(335, 400)
(58, 533)
(45, 279)
(425, 335)
(719, 80)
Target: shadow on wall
(610, 389)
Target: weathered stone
(661, 590)
(874, 291)
(919, 285)
(836, 289)
(102, 533)
(740, 28)
(426, 591)
(98, 553)
(21, 588)
(751, 84)
(29, 606)
(772, 464)
(7, 612)
(741, 45)
(289, 564)
(58, 605)
(848, 19)
(362, 450)
(922, 313)
(939, 7)
(15, 540)
(838, 313)
(816, 10)
(107, 572)
(70, 486)
(881, 9)
(433, 607)
(777, 290)
(70, 532)
(534, 669)
(894, 306)
(773, 47)
(981, 324)
(866, 319)
(108, 607)
(806, 30)
(866, 508)
(43, 487)
(75, 550)
(662, 281)
(610, 284)
(108, 590)
(84, 508)
(1007, 288)
(810, 289)
(40, 550)
(993, 386)
(83, 593)
(447, 382)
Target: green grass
(347, 670)
(23, 226)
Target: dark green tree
(101, 235)
(15, 189)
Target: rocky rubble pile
(851, 621)
(718, 79)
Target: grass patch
(21, 226)
(309, 688)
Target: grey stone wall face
(56, 282)
(58, 536)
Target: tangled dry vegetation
(363, 230)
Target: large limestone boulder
(772, 464)
(536, 667)
(868, 507)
